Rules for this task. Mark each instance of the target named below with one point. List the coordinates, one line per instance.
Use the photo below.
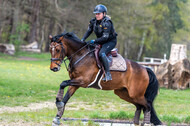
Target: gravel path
(51, 105)
(31, 107)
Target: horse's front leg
(61, 104)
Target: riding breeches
(107, 47)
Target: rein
(71, 57)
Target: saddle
(116, 61)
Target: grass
(23, 82)
(120, 115)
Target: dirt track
(23, 123)
(51, 105)
(31, 107)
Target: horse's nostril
(54, 69)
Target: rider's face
(99, 16)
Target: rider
(106, 36)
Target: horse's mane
(68, 35)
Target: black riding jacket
(103, 29)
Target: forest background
(144, 27)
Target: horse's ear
(50, 37)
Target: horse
(137, 85)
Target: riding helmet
(100, 9)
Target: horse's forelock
(56, 38)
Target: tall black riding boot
(106, 67)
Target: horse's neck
(84, 57)
(73, 50)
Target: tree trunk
(141, 46)
(125, 49)
(48, 42)
(35, 17)
(42, 38)
(15, 16)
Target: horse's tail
(154, 118)
(150, 94)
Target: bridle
(61, 58)
(61, 55)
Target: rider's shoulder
(107, 21)
(107, 18)
(92, 20)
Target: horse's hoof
(56, 121)
(136, 125)
(53, 124)
(147, 124)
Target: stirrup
(107, 77)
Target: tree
(167, 20)
(132, 21)
(145, 28)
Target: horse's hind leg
(140, 103)
(123, 94)
(137, 114)
(146, 109)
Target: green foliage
(5, 34)
(167, 20)
(187, 119)
(131, 20)
(144, 27)
(18, 37)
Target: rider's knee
(102, 54)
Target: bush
(18, 37)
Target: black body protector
(106, 36)
(103, 29)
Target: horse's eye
(57, 50)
